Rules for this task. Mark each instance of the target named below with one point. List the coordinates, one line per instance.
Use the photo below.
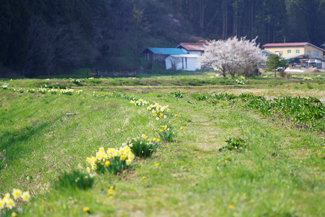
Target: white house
(186, 62)
(193, 48)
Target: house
(292, 50)
(186, 62)
(193, 48)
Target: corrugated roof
(266, 52)
(193, 46)
(298, 44)
(294, 56)
(186, 55)
(166, 51)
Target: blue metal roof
(167, 51)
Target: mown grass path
(281, 173)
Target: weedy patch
(73, 180)
(234, 143)
(177, 94)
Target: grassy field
(276, 170)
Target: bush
(73, 180)
(142, 146)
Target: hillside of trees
(45, 37)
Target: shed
(158, 55)
(186, 62)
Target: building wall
(196, 52)
(302, 51)
(312, 49)
(182, 63)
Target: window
(309, 53)
(289, 51)
(297, 51)
(316, 53)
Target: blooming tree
(232, 55)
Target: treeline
(271, 20)
(44, 37)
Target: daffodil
(16, 193)
(25, 196)
(86, 209)
(10, 203)
(2, 204)
(122, 157)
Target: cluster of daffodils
(159, 111)
(139, 102)
(143, 146)
(166, 132)
(30, 91)
(76, 81)
(113, 160)
(46, 90)
(308, 78)
(5, 86)
(42, 90)
(8, 202)
(21, 90)
(240, 80)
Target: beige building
(291, 50)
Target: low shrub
(74, 179)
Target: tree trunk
(224, 18)
(275, 73)
(202, 10)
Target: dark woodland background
(45, 37)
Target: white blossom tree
(232, 55)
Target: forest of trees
(44, 37)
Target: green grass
(280, 172)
